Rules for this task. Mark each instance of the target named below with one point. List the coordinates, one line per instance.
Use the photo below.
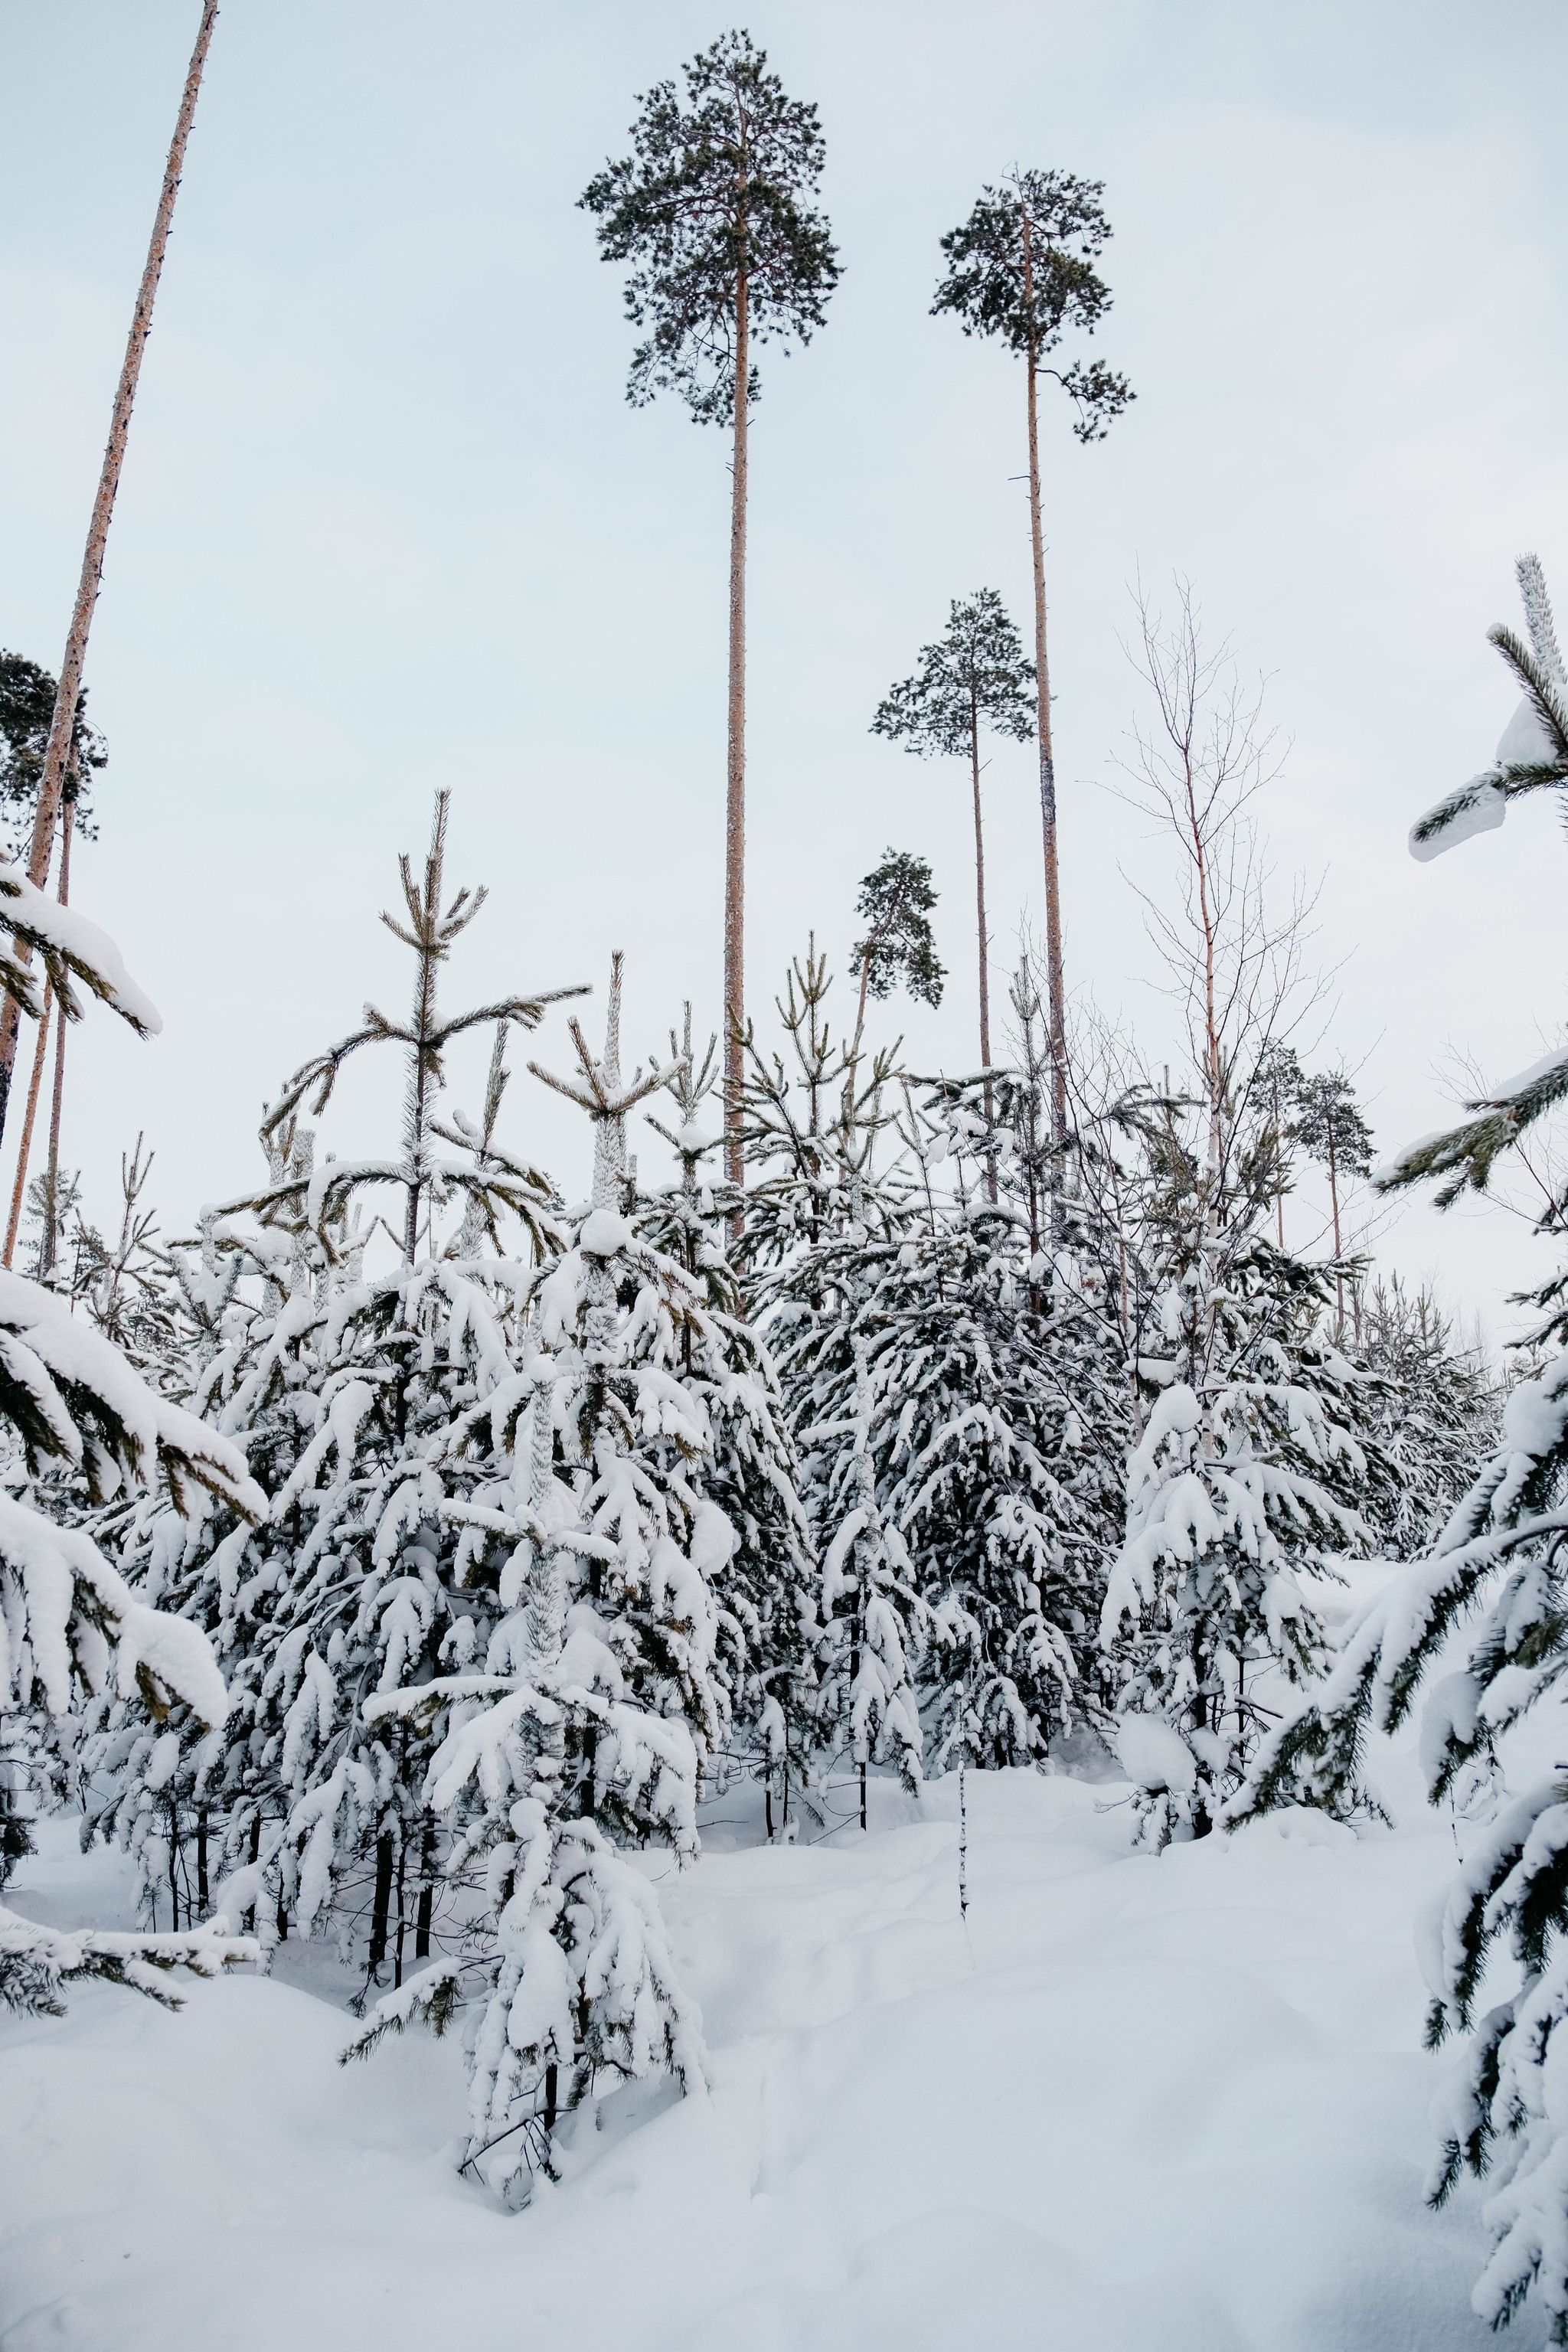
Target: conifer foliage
(1489, 1601)
(976, 676)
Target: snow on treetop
(604, 1233)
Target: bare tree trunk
(735, 787)
(381, 1901)
(984, 939)
(18, 1191)
(49, 1240)
(62, 723)
(426, 1898)
(980, 905)
(1047, 765)
(1339, 1279)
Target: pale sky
(387, 521)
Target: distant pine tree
(976, 676)
(1021, 269)
(714, 211)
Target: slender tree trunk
(1047, 765)
(1339, 1279)
(381, 1900)
(980, 902)
(50, 1239)
(402, 1916)
(25, 1152)
(735, 785)
(202, 1895)
(984, 937)
(427, 1900)
(62, 724)
(20, 1190)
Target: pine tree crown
(1021, 269)
(718, 187)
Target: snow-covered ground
(1176, 2103)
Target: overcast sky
(387, 521)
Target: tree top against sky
(975, 675)
(718, 189)
(1021, 267)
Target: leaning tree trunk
(62, 724)
(1047, 765)
(735, 786)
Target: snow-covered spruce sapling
(767, 1588)
(69, 1624)
(1021, 269)
(1500, 1571)
(71, 1628)
(713, 210)
(365, 1401)
(1434, 1408)
(601, 1696)
(870, 1608)
(977, 675)
(999, 1448)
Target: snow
(604, 1233)
(88, 950)
(1176, 2101)
(1526, 742)
(1153, 1756)
(1478, 806)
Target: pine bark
(735, 785)
(49, 1241)
(1055, 990)
(982, 935)
(62, 722)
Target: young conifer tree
(766, 1593)
(1021, 269)
(1008, 1420)
(823, 1221)
(714, 209)
(976, 676)
(72, 1629)
(365, 1403)
(1498, 1570)
(1434, 1406)
(601, 1698)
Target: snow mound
(1153, 1756)
(1176, 2101)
